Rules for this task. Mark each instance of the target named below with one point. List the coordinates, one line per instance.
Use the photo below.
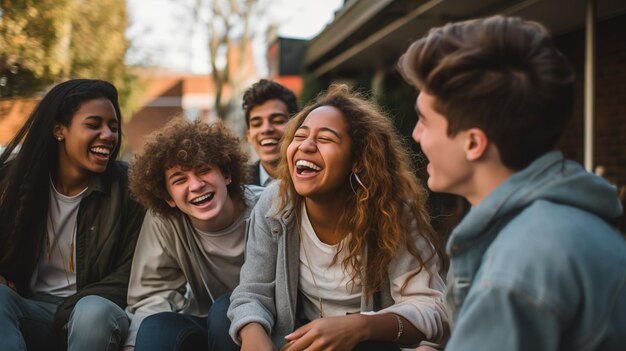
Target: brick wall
(610, 95)
(13, 114)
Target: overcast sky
(159, 35)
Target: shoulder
(158, 225)
(268, 197)
(255, 172)
(551, 253)
(554, 231)
(114, 179)
(251, 194)
(117, 170)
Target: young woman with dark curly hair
(191, 176)
(340, 255)
(68, 226)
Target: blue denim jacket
(537, 266)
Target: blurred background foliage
(43, 42)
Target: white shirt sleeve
(422, 301)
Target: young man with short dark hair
(268, 106)
(537, 263)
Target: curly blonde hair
(375, 216)
(187, 145)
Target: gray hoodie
(537, 264)
(268, 288)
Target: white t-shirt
(339, 295)
(53, 275)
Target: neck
(68, 183)
(223, 220)
(486, 180)
(324, 217)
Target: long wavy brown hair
(376, 217)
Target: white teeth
(269, 142)
(101, 150)
(202, 198)
(308, 164)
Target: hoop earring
(358, 180)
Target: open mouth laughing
(103, 152)
(307, 167)
(202, 199)
(270, 142)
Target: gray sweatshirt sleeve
(156, 282)
(253, 300)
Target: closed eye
(299, 137)
(177, 181)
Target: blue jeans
(96, 323)
(170, 331)
(376, 346)
(25, 323)
(223, 342)
(219, 323)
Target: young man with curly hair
(536, 264)
(191, 177)
(267, 106)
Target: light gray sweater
(170, 272)
(268, 287)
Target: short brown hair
(187, 145)
(500, 74)
(265, 90)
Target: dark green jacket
(107, 227)
(107, 230)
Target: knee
(220, 307)
(8, 299)
(95, 312)
(218, 321)
(156, 322)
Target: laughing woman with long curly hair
(340, 255)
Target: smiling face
(201, 193)
(267, 126)
(449, 169)
(318, 157)
(86, 145)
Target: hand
(10, 284)
(253, 338)
(330, 333)
(425, 348)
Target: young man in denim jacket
(536, 264)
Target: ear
(58, 132)
(476, 144)
(170, 202)
(356, 167)
(228, 180)
(248, 136)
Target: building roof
(374, 33)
